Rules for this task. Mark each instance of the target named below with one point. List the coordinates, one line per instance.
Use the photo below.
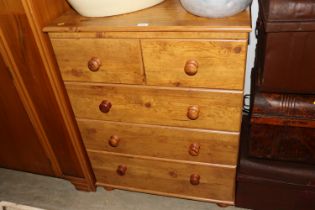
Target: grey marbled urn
(215, 8)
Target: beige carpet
(4, 205)
(56, 194)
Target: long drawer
(164, 177)
(195, 63)
(100, 60)
(192, 108)
(160, 141)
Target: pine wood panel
(221, 64)
(150, 35)
(159, 18)
(121, 60)
(39, 81)
(75, 165)
(171, 178)
(160, 141)
(16, 41)
(151, 114)
(219, 110)
(20, 146)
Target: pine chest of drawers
(157, 95)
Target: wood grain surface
(158, 106)
(219, 110)
(75, 165)
(171, 178)
(121, 60)
(221, 64)
(35, 69)
(20, 145)
(151, 35)
(158, 18)
(161, 141)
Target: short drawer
(200, 63)
(99, 60)
(180, 107)
(200, 182)
(162, 142)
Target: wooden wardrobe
(37, 133)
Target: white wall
(252, 46)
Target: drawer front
(210, 64)
(169, 178)
(99, 60)
(159, 141)
(157, 106)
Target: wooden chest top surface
(167, 16)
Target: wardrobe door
(20, 146)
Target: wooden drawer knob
(191, 67)
(105, 106)
(193, 112)
(94, 64)
(114, 141)
(195, 179)
(194, 149)
(121, 170)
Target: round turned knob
(194, 149)
(191, 67)
(94, 64)
(194, 179)
(105, 106)
(121, 170)
(193, 112)
(113, 141)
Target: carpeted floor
(4, 205)
(56, 194)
